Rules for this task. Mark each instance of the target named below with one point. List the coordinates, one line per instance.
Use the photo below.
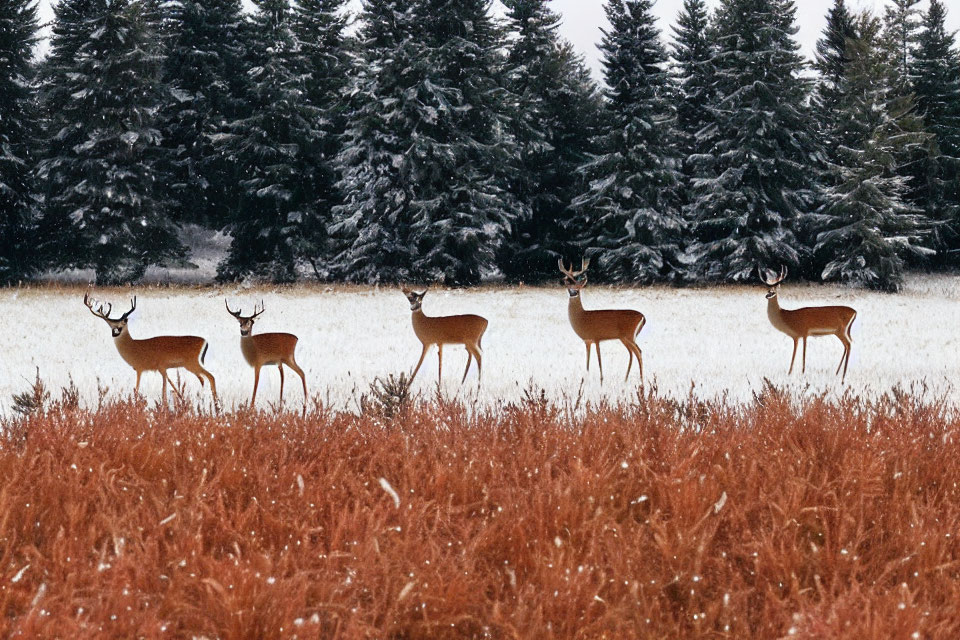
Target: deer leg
(599, 361)
(256, 383)
(804, 368)
(303, 378)
(136, 389)
(280, 368)
(639, 354)
(197, 369)
(845, 358)
(467, 370)
(846, 362)
(176, 391)
(213, 385)
(163, 390)
(630, 362)
(478, 355)
(588, 355)
(439, 363)
(794, 356)
(423, 354)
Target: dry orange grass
(780, 518)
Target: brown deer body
(266, 349)
(467, 330)
(593, 327)
(805, 322)
(156, 354)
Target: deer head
(246, 322)
(572, 278)
(415, 299)
(772, 281)
(116, 326)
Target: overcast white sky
(583, 19)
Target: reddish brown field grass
(781, 518)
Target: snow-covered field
(715, 340)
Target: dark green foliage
(632, 203)
(277, 150)
(831, 62)
(320, 27)
(693, 53)
(556, 113)
(936, 69)
(424, 146)
(104, 208)
(759, 177)
(866, 226)
(207, 76)
(18, 129)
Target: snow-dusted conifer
(937, 85)
(693, 52)
(102, 206)
(919, 161)
(461, 210)
(371, 228)
(831, 62)
(325, 53)
(866, 226)
(276, 148)
(555, 116)
(423, 145)
(632, 202)
(18, 128)
(759, 182)
(207, 77)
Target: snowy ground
(717, 340)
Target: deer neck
(575, 306)
(248, 347)
(125, 344)
(775, 314)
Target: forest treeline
(432, 141)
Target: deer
(593, 327)
(463, 329)
(267, 349)
(159, 354)
(802, 323)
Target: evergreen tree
(461, 211)
(555, 117)
(320, 26)
(70, 29)
(18, 27)
(633, 198)
(423, 148)
(866, 227)
(277, 148)
(937, 84)
(102, 207)
(831, 61)
(372, 227)
(760, 174)
(206, 72)
(919, 162)
(693, 53)
(901, 25)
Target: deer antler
(255, 312)
(99, 310)
(570, 273)
(235, 314)
(133, 306)
(771, 279)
